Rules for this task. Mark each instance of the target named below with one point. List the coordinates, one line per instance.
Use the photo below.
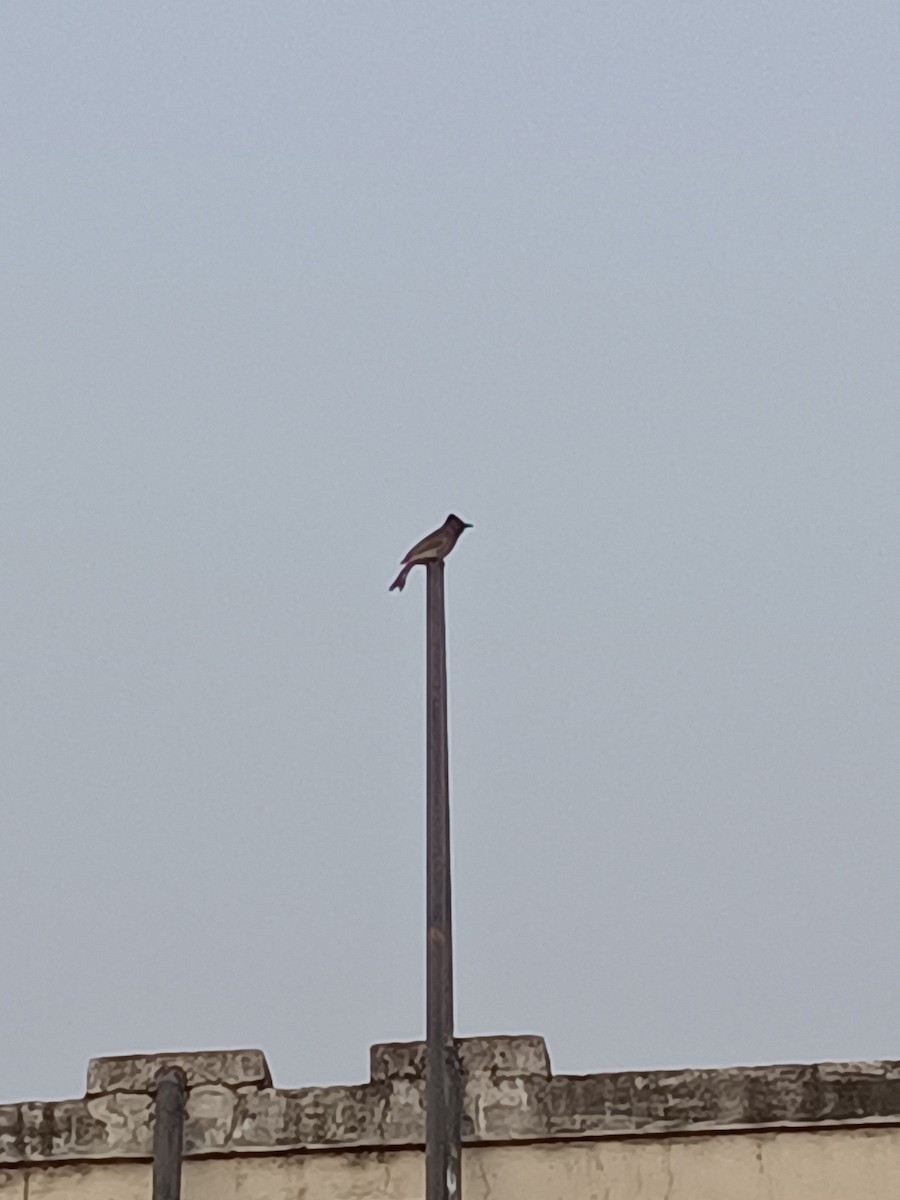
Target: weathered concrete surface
(735, 1097)
(12, 1185)
(497, 1056)
(510, 1095)
(138, 1072)
(833, 1164)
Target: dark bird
(436, 545)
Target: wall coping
(510, 1094)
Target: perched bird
(436, 545)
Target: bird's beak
(468, 525)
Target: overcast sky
(285, 283)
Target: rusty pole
(442, 1082)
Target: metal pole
(168, 1134)
(442, 1088)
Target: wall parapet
(510, 1094)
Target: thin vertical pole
(442, 1094)
(168, 1134)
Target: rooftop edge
(510, 1094)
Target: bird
(435, 546)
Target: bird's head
(453, 522)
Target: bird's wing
(426, 547)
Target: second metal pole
(168, 1134)
(442, 1085)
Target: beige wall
(820, 1165)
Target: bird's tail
(400, 582)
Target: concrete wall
(833, 1165)
(826, 1132)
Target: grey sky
(286, 283)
